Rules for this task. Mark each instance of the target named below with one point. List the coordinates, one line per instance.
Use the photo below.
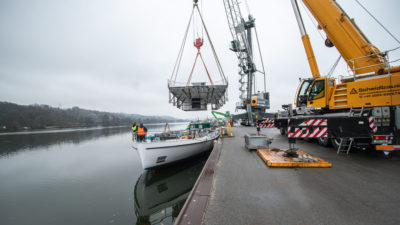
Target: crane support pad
(275, 158)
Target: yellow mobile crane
(362, 109)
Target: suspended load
(196, 96)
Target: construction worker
(134, 129)
(141, 132)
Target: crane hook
(198, 43)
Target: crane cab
(315, 92)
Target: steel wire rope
(212, 48)
(376, 20)
(334, 66)
(179, 58)
(313, 21)
(230, 19)
(233, 13)
(247, 6)
(332, 69)
(249, 53)
(262, 61)
(201, 5)
(231, 22)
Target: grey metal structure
(256, 141)
(241, 31)
(197, 96)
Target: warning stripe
(371, 120)
(315, 122)
(305, 132)
(269, 123)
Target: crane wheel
(326, 142)
(335, 143)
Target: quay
(237, 187)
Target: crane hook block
(198, 43)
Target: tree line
(18, 117)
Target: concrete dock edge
(193, 210)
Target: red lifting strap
(198, 43)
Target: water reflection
(13, 142)
(87, 177)
(160, 194)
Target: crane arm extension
(306, 41)
(310, 56)
(352, 44)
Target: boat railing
(154, 136)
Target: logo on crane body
(353, 91)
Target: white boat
(160, 153)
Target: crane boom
(353, 45)
(241, 45)
(241, 31)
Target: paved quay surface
(360, 188)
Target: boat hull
(157, 154)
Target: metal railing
(385, 64)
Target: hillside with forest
(21, 117)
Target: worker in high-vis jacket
(134, 129)
(141, 132)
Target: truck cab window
(302, 96)
(317, 90)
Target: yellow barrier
(226, 129)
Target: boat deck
(360, 188)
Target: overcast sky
(117, 55)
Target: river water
(88, 176)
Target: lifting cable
(179, 58)
(334, 66)
(221, 72)
(262, 61)
(376, 20)
(314, 22)
(198, 43)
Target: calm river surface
(91, 176)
